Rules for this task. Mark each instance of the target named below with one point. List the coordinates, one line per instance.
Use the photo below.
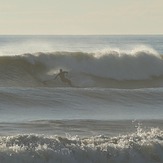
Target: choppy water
(112, 113)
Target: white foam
(136, 64)
(139, 147)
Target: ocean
(111, 113)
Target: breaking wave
(109, 68)
(139, 147)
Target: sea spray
(139, 147)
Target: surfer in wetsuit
(61, 74)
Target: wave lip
(139, 147)
(136, 65)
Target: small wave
(110, 68)
(139, 147)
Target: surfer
(61, 74)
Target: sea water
(112, 112)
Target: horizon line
(79, 34)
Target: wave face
(139, 147)
(109, 68)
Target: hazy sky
(81, 16)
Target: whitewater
(111, 113)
